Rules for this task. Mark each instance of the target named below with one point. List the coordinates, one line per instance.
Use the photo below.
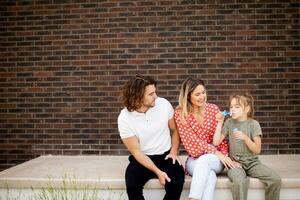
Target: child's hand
(220, 117)
(236, 164)
(239, 135)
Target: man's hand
(174, 158)
(163, 177)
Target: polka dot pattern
(198, 140)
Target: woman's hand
(227, 162)
(220, 118)
(162, 177)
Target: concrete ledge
(107, 172)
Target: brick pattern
(63, 62)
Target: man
(144, 125)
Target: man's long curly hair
(134, 90)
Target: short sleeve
(256, 129)
(170, 109)
(124, 128)
(166, 107)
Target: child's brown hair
(244, 99)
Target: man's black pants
(137, 175)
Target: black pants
(137, 175)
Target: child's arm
(254, 146)
(218, 137)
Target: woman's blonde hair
(244, 99)
(187, 87)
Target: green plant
(72, 190)
(10, 196)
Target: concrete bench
(105, 176)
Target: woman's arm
(218, 137)
(218, 140)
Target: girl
(244, 135)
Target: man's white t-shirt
(151, 128)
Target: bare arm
(218, 137)
(132, 145)
(175, 142)
(175, 136)
(254, 146)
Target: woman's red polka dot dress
(197, 140)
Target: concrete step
(103, 176)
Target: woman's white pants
(203, 171)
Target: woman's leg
(203, 171)
(210, 188)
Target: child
(244, 135)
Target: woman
(196, 123)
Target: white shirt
(151, 128)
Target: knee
(202, 163)
(238, 181)
(176, 171)
(276, 181)
(175, 184)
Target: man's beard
(150, 105)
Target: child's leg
(271, 180)
(239, 183)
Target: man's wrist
(174, 151)
(157, 171)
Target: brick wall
(63, 62)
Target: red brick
(62, 67)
